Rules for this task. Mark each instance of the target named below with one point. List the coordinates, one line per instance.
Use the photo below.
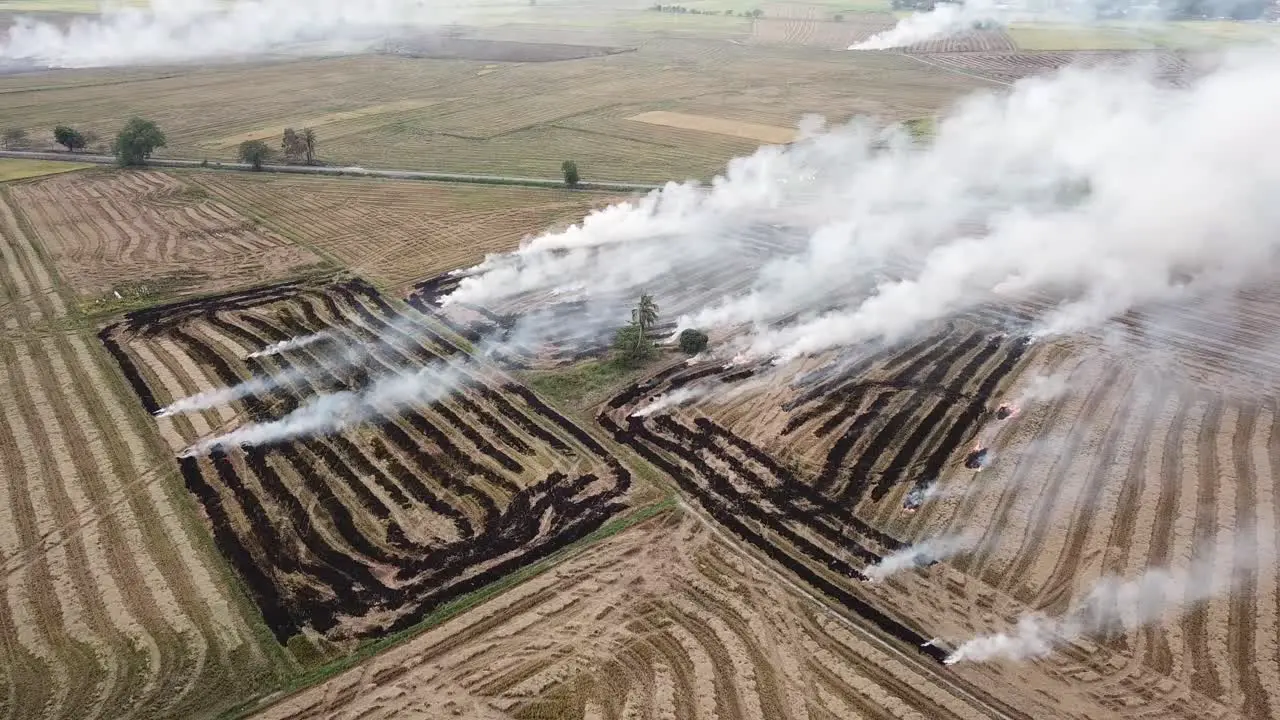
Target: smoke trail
(921, 553)
(676, 397)
(1042, 388)
(222, 396)
(944, 20)
(337, 411)
(291, 344)
(181, 30)
(1116, 605)
(351, 355)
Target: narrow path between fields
(329, 170)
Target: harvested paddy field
(1129, 468)
(364, 531)
(394, 231)
(1009, 67)
(123, 235)
(492, 117)
(670, 620)
(115, 603)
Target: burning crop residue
(1006, 411)
(978, 458)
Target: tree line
(139, 138)
(682, 10)
(133, 145)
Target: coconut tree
(307, 138)
(645, 314)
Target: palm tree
(645, 313)
(308, 142)
(644, 316)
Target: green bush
(693, 341)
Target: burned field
(879, 427)
(366, 530)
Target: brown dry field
(115, 601)
(668, 620)
(1162, 443)
(751, 131)
(112, 231)
(118, 601)
(396, 231)
(519, 119)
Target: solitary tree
(632, 341)
(570, 170)
(645, 313)
(69, 137)
(307, 138)
(15, 138)
(255, 153)
(693, 341)
(137, 141)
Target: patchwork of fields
(519, 119)
(145, 581)
(115, 599)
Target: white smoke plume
(1105, 187)
(184, 30)
(220, 396)
(676, 397)
(337, 411)
(944, 20)
(291, 344)
(936, 491)
(1115, 604)
(938, 548)
(1042, 388)
(352, 353)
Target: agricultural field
(13, 169)
(1009, 67)
(486, 117)
(817, 476)
(515, 552)
(115, 600)
(1134, 465)
(667, 619)
(361, 532)
(394, 231)
(130, 237)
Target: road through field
(337, 171)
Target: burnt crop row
(883, 420)
(366, 530)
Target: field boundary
(336, 171)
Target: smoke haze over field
(922, 552)
(181, 30)
(1103, 187)
(1115, 604)
(944, 20)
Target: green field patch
(16, 169)
(1062, 36)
